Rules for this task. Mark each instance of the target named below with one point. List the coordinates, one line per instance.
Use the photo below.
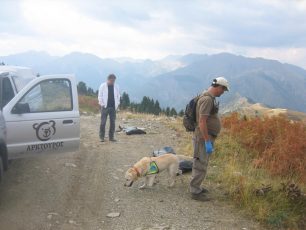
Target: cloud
(11, 18)
(153, 29)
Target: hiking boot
(112, 140)
(200, 197)
(102, 140)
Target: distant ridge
(175, 79)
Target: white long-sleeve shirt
(103, 95)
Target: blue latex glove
(208, 147)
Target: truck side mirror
(20, 108)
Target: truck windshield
(20, 82)
(6, 91)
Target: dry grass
(88, 104)
(278, 144)
(237, 174)
(241, 179)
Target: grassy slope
(234, 172)
(88, 104)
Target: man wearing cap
(109, 100)
(207, 130)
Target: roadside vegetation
(88, 105)
(259, 163)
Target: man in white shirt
(109, 100)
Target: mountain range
(175, 79)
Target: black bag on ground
(185, 166)
(189, 119)
(134, 131)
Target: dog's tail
(184, 158)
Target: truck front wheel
(3, 154)
(1, 169)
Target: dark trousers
(112, 118)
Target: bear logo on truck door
(45, 130)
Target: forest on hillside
(147, 105)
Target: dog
(149, 167)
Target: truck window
(20, 82)
(49, 96)
(7, 91)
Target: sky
(274, 29)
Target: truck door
(43, 117)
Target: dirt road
(78, 190)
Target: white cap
(221, 81)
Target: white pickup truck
(39, 115)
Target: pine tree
(151, 106)
(133, 107)
(90, 92)
(181, 113)
(147, 105)
(125, 101)
(173, 112)
(82, 88)
(157, 109)
(168, 111)
(143, 105)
